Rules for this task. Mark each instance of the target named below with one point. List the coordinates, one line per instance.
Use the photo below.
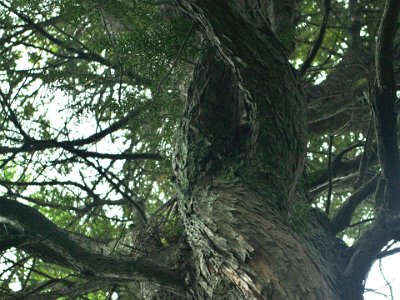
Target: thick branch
(384, 104)
(384, 47)
(366, 251)
(46, 236)
(344, 215)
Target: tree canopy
(92, 96)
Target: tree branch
(343, 217)
(365, 156)
(13, 117)
(334, 102)
(387, 253)
(70, 289)
(318, 42)
(47, 240)
(81, 54)
(329, 196)
(366, 251)
(32, 145)
(384, 46)
(384, 104)
(340, 168)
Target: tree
(284, 155)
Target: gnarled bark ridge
(240, 151)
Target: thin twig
(328, 199)
(388, 284)
(388, 253)
(366, 154)
(362, 222)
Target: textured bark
(249, 232)
(240, 150)
(241, 245)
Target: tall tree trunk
(240, 152)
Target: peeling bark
(240, 150)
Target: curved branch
(49, 241)
(343, 217)
(366, 251)
(387, 253)
(319, 39)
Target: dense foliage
(91, 93)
